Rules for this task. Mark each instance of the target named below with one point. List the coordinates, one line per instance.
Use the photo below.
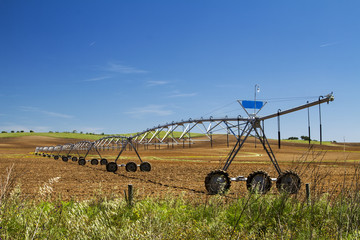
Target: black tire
(64, 158)
(74, 159)
(103, 161)
(94, 161)
(56, 157)
(217, 182)
(111, 167)
(258, 182)
(288, 182)
(131, 167)
(82, 161)
(145, 167)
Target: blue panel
(252, 104)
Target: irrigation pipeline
(217, 181)
(207, 127)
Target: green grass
(307, 142)
(250, 217)
(56, 135)
(82, 135)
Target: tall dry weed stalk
(47, 189)
(310, 167)
(7, 183)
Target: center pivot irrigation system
(217, 181)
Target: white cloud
(92, 44)
(97, 79)
(156, 83)
(48, 113)
(54, 114)
(119, 68)
(150, 109)
(328, 44)
(182, 95)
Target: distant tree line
(21, 131)
(305, 138)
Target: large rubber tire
(111, 167)
(145, 167)
(258, 182)
(131, 167)
(74, 159)
(217, 182)
(288, 182)
(56, 157)
(94, 161)
(103, 161)
(82, 161)
(64, 158)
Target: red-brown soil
(175, 170)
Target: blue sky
(124, 66)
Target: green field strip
(327, 143)
(86, 136)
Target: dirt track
(178, 170)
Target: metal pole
(320, 121)
(238, 121)
(328, 98)
(256, 86)
(307, 188)
(189, 140)
(227, 138)
(256, 89)
(279, 138)
(309, 124)
(130, 194)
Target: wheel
(74, 159)
(145, 167)
(103, 161)
(56, 157)
(131, 167)
(111, 167)
(64, 158)
(44, 155)
(94, 161)
(82, 161)
(217, 182)
(288, 182)
(259, 182)
(48, 155)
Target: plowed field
(175, 170)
